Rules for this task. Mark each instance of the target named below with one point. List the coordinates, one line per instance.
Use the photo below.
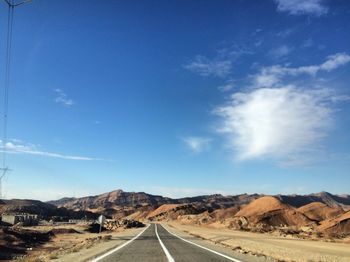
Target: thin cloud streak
(272, 75)
(14, 147)
(206, 67)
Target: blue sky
(178, 98)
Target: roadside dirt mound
(262, 206)
(267, 213)
(223, 214)
(28, 236)
(162, 209)
(95, 228)
(58, 231)
(339, 225)
(172, 212)
(203, 218)
(138, 215)
(224, 218)
(10, 246)
(220, 218)
(318, 211)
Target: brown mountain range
(321, 211)
(120, 199)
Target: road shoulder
(265, 245)
(88, 254)
(197, 239)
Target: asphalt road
(157, 244)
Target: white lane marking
(119, 247)
(168, 256)
(215, 252)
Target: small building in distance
(25, 219)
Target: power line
(11, 7)
(11, 3)
(7, 77)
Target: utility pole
(3, 172)
(11, 7)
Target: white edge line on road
(168, 256)
(215, 252)
(118, 247)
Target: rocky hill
(112, 199)
(329, 199)
(128, 202)
(119, 203)
(45, 210)
(318, 212)
(269, 211)
(339, 225)
(217, 201)
(27, 206)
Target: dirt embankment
(44, 243)
(269, 214)
(339, 225)
(269, 245)
(318, 211)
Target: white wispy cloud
(286, 32)
(220, 65)
(229, 85)
(302, 7)
(278, 119)
(283, 123)
(281, 51)
(233, 51)
(209, 67)
(272, 75)
(15, 146)
(307, 43)
(197, 144)
(62, 98)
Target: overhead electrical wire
(7, 83)
(11, 6)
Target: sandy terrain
(318, 211)
(85, 254)
(162, 209)
(279, 248)
(83, 246)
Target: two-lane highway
(156, 243)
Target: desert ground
(269, 245)
(71, 243)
